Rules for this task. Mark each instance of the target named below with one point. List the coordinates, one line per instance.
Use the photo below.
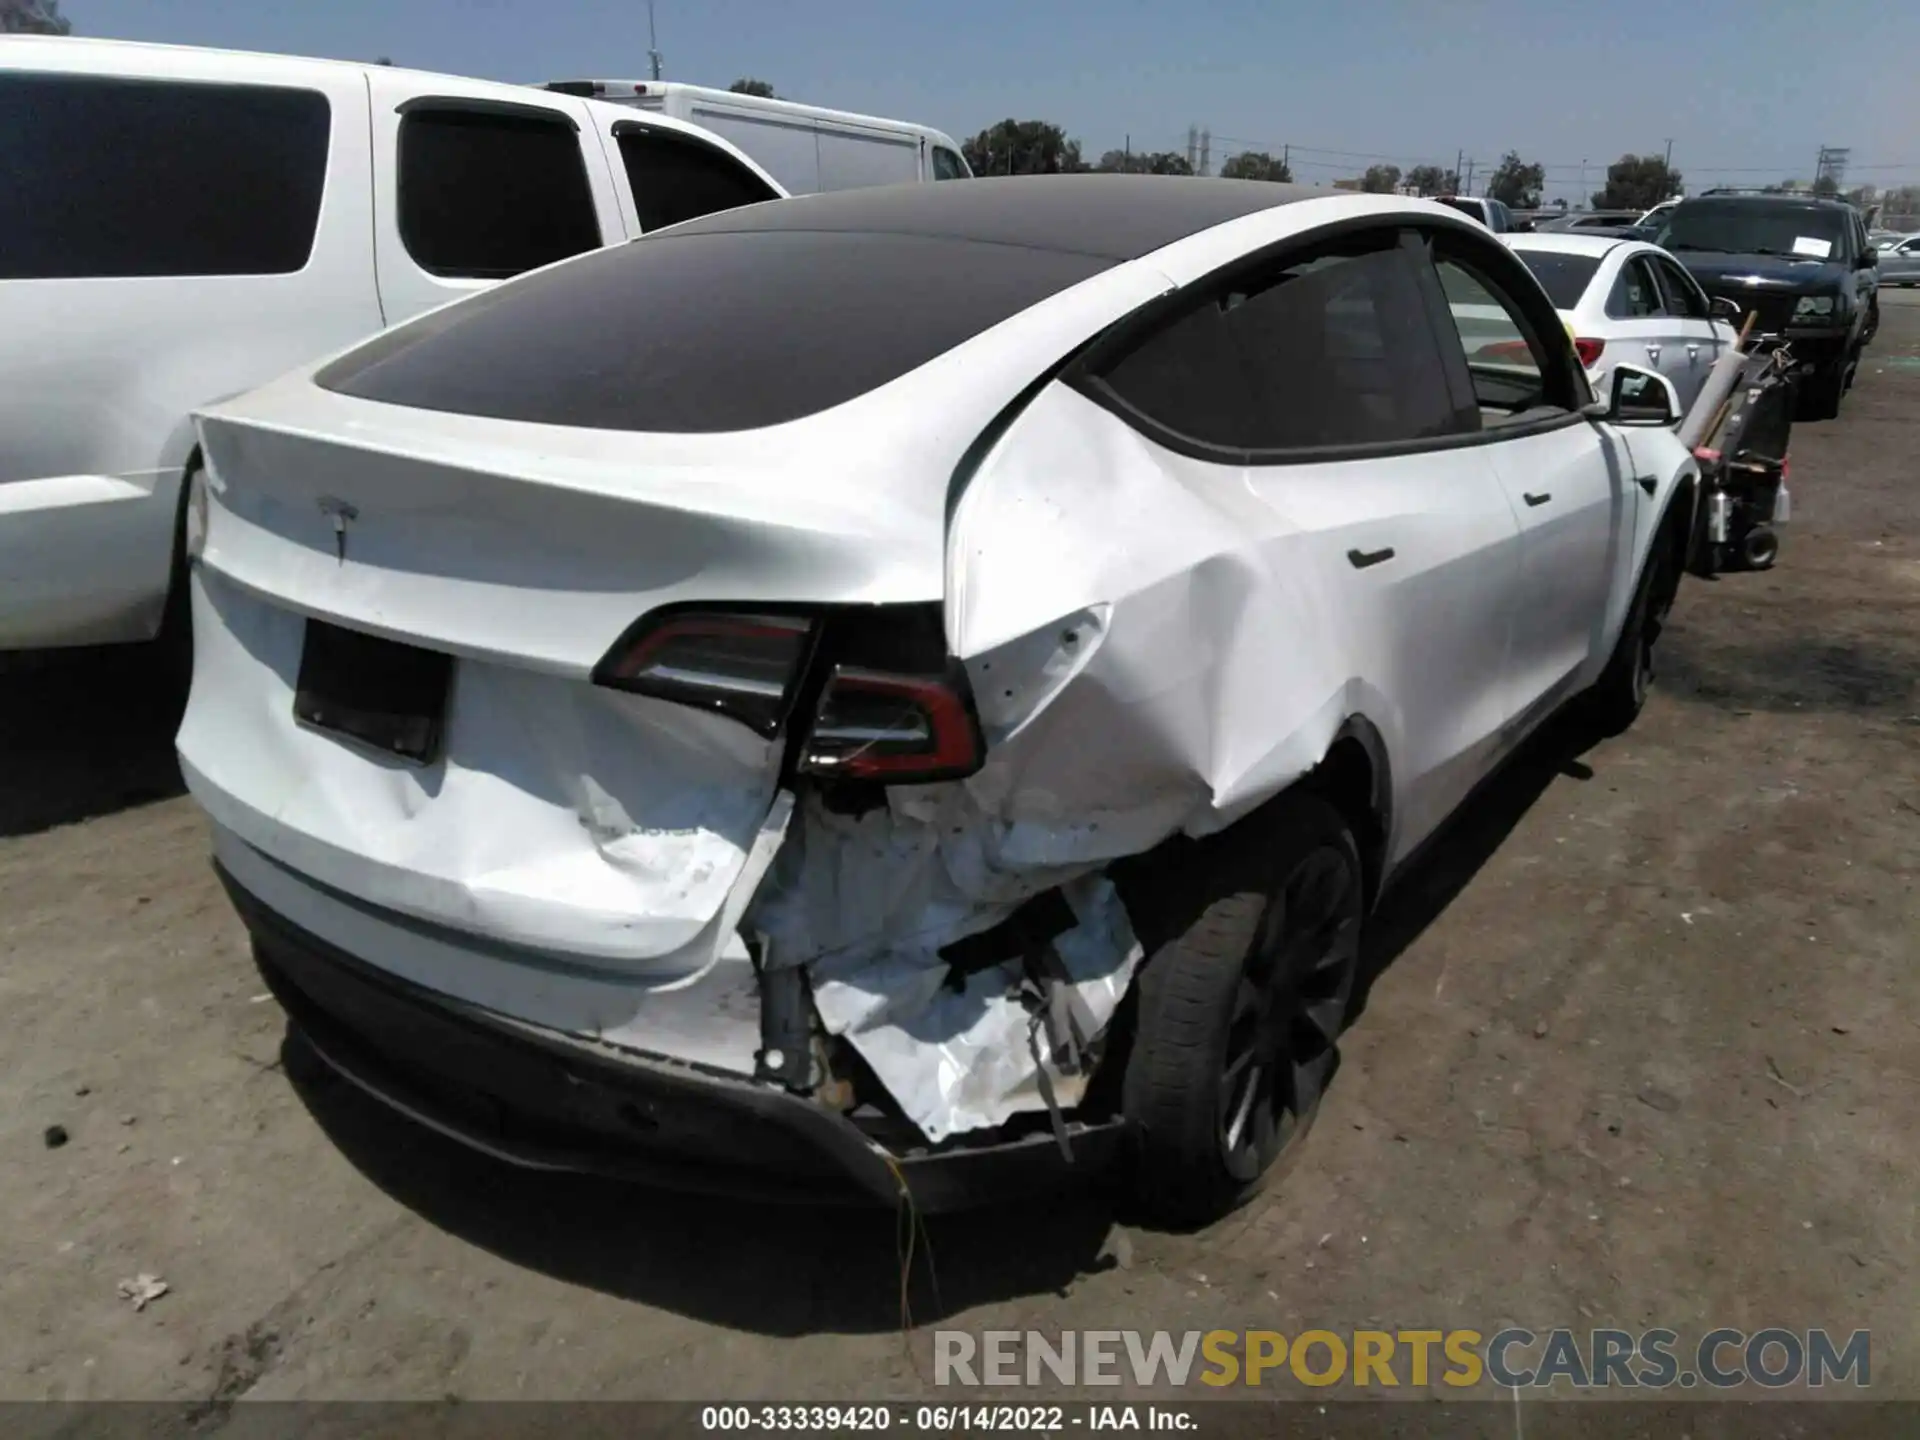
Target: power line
(1570, 167)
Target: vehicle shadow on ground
(84, 733)
(1791, 672)
(769, 1269)
(1455, 853)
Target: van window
(116, 177)
(676, 177)
(487, 194)
(947, 165)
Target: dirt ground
(1643, 1049)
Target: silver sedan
(1900, 260)
(1627, 301)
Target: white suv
(183, 224)
(762, 697)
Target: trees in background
(1637, 182)
(1381, 179)
(1143, 162)
(33, 17)
(747, 85)
(1255, 165)
(1432, 180)
(1517, 184)
(1023, 147)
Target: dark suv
(1801, 265)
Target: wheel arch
(1355, 776)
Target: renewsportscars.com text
(1657, 1359)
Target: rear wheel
(1239, 1012)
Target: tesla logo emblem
(342, 515)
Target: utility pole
(1129, 144)
(1193, 145)
(653, 42)
(1583, 184)
(1668, 162)
(1206, 150)
(1286, 159)
(1466, 187)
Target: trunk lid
(556, 817)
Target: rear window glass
(486, 195)
(675, 177)
(136, 177)
(1564, 277)
(710, 332)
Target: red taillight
(1505, 350)
(875, 725)
(887, 703)
(746, 666)
(1589, 351)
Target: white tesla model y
(908, 690)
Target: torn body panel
(1135, 681)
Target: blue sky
(1747, 91)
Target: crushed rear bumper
(543, 1100)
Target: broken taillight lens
(746, 666)
(893, 728)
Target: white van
(181, 225)
(807, 149)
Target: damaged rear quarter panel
(1148, 656)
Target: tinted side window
(1339, 351)
(947, 165)
(141, 177)
(488, 195)
(1634, 296)
(1683, 296)
(1508, 364)
(676, 177)
(1189, 378)
(1328, 349)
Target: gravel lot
(1643, 1049)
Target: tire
(1820, 392)
(1620, 694)
(173, 646)
(1760, 547)
(1239, 1011)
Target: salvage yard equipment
(1743, 467)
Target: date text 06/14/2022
(943, 1419)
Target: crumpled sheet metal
(527, 833)
(959, 1059)
(1100, 677)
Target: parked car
(1584, 220)
(1493, 214)
(726, 702)
(807, 148)
(183, 224)
(1652, 219)
(1801, 265)
(1899, 261)
(1626, 300)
